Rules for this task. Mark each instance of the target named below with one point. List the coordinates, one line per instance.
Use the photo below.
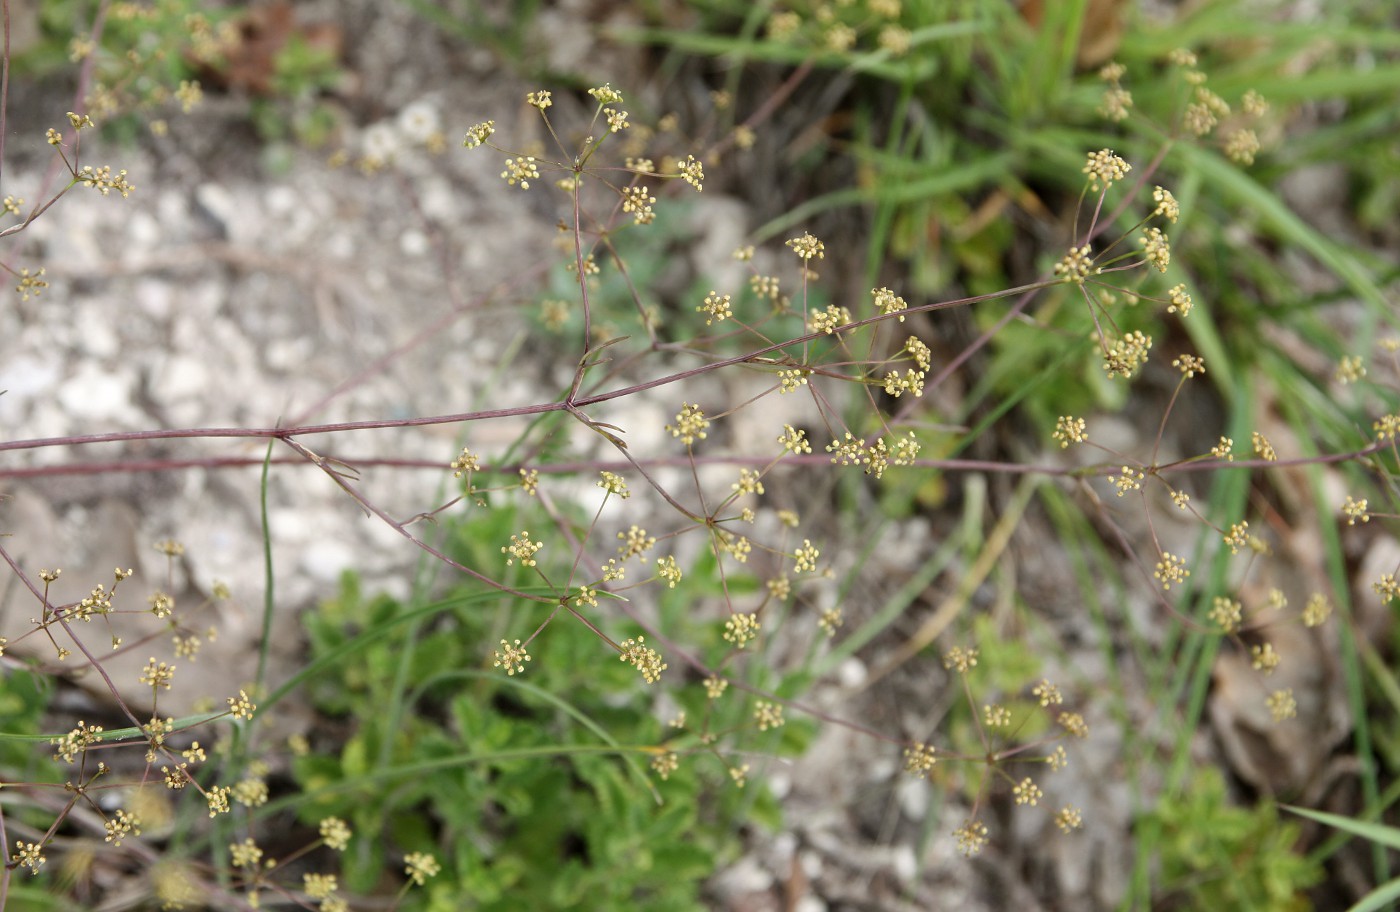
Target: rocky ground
(248, 285)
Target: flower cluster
(103, 181)
(887, 302)
(1105, 167)
(693, 172)
(638, 201)
(520, 170)
(741, 628)
(1127, 354)
(716, 307)
(1075, 265)
(767, 715)
(1171, 569)
(522, 549)
(691, 424)
(1069, 429)
(875, 457)
(807, 247)
(643, 658)
(960, 660)
(511, 657)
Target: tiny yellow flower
(887, 302)
(522, 549)
(1127, 354)
(767, 715)
(971, 837)
(807, 247)
(665, 764)
(635, 543)
(1157, 248)
(121, 825)
(419, 866)
(1069, 429)
(741, 628)
(1180, 300)
(1317, 610)
(520, 170)
(617, 120)
(691, 424)
(1048, 694)
(614, 484)
(1241, 146)
(919, 760)
(960, 659)
(319, 886)
(157, 675)
(750, 482)
(1171, 569)
(241, 707)
(1074, 724)
(1129, 479)
(639, 201)
(1027, 792)
(336, 833)
(479, 133)
(1263, 657)
(511, 657)
(1167, 206)
(1282, 705)
(1105, 167)
(1237, 537)
(1262, 448)
(1355, 511)
(606, 94)
(693, 173)
(1075, 265)
(715, 308)
(217, 799)
(28, 855)
(1350, 369)
(667, 569)
(1227, 613)
(1069, 819)
(643, 658)
(1115, 103)
(790, 381)
(1189, 365)
(996, 715)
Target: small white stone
(95, 394)
(851, 673)
(413, 243)
(326, 559)
(904, 863)
(913, 795)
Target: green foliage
(518, 775)
(553, 787)
(504, 29)
(1215, 854)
